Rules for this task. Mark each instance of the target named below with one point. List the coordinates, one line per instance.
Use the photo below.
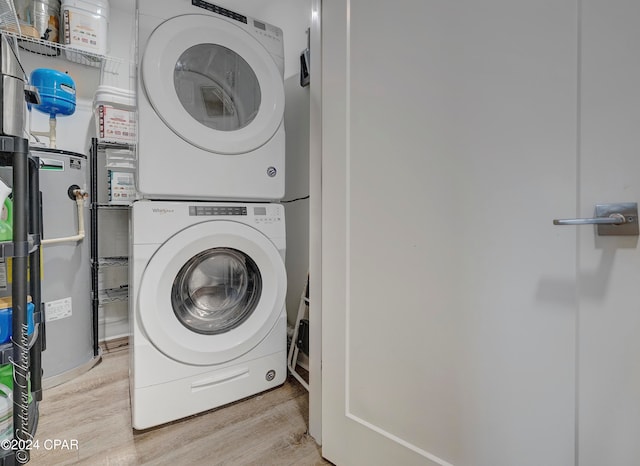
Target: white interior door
(608, 391)
(460, 327)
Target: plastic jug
(6, 216)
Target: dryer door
(213, 84)
(212, 292)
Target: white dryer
(210, 103)
(207, 306)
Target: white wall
(74, 131)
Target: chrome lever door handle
(611, 219)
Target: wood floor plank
(94, 409)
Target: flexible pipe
(80, 197)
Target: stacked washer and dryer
(207, 275)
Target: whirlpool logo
(163, 211)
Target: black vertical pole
(35, 265)
(20, 335)
(95, 299)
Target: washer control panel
(267, 214)
(216, 210)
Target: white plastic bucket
(115, 115)
(85, 25)
(115, 96)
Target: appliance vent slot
(219, 10)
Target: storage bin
(122, 188)
(85, 25)
(115, 115)
(122, 159)
(6, 312)
(121, 165)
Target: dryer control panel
(219, 10)
(261, 214)
(259, 28)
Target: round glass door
(217, 87)
(213, 84)
(211, 292)
(216, 291)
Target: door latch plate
(629, 210)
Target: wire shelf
(54, 49)
(114, 295)
(119, 261)
(8, 16)
(9, 20)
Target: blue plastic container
(57, 92)
(6, 327)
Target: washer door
(211, 292)
(213, 84)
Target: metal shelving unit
(101, 296)
(24, 350)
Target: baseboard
(114, 344)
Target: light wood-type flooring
(94, 410)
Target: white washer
(210, 103)
(207, 306)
